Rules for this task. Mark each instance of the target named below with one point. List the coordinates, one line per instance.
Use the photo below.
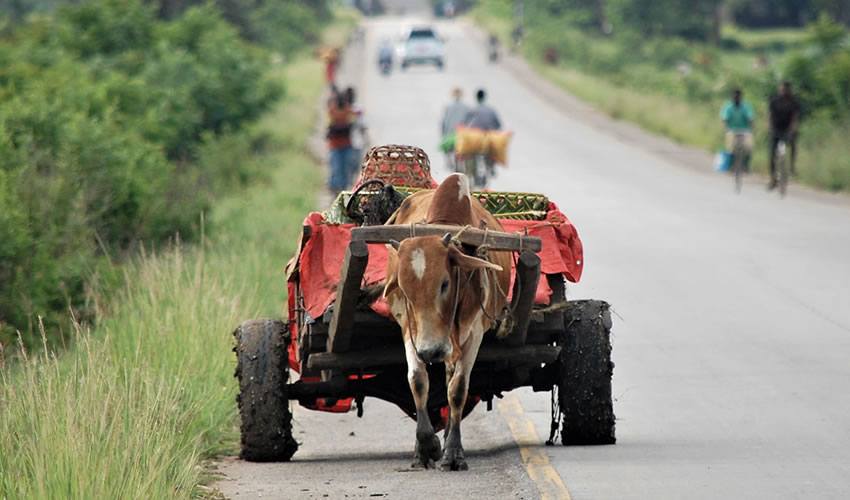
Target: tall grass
(133, 408)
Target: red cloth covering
(319, 265)
(321, 259)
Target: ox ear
(391, 285)
(469, 263)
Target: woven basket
(399, 165)
(524, 206)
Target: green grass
(133, 409)
(766, 39)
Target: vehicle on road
(421, 45)
(385, 57)
(479, 167)
(493, 49)
(340, 338)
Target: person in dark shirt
(784, 112)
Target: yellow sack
(469, 140)
(496, 143)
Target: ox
(444, 300)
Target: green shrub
(110, 122)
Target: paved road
(732, 327)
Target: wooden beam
(497, 240)
(347, 291)
(517, 355)
(525, 289)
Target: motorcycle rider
(483, 117)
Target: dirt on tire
(584, 375)
(263, 372)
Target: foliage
(104, 111)
(692, 19)
(822, 73)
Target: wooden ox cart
(341, 342)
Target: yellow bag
(469, 140)
(496, 144)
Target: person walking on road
(339, 143)
(738, 117)
(359, 135)
(784, 116)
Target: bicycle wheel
(781, 168)
(739, 167)
(480, 172)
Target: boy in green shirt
(738, 117)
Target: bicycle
(738, 152)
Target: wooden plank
(497, 240)
(517, 355)
(525, 288)
(347, 291)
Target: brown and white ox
(438, 295)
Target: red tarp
(319, 265)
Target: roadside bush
(109, 130)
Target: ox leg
(458, 386)
(427, 449)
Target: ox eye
(444, 287)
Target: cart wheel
(584, 374)
(263, 372)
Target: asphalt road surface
(732, 326)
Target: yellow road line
(534, 457)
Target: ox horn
(395, 244)
(446, 239)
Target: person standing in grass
(738, 117)
(784, 116)
(339, 142)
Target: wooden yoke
(496, 240)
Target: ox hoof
(427, 453)
(422, 465)
(453, 459)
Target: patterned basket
(398, 165)
(522, 206)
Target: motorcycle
(493, 49)
(385, 65)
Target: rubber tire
(584, 374)
(263, 372)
